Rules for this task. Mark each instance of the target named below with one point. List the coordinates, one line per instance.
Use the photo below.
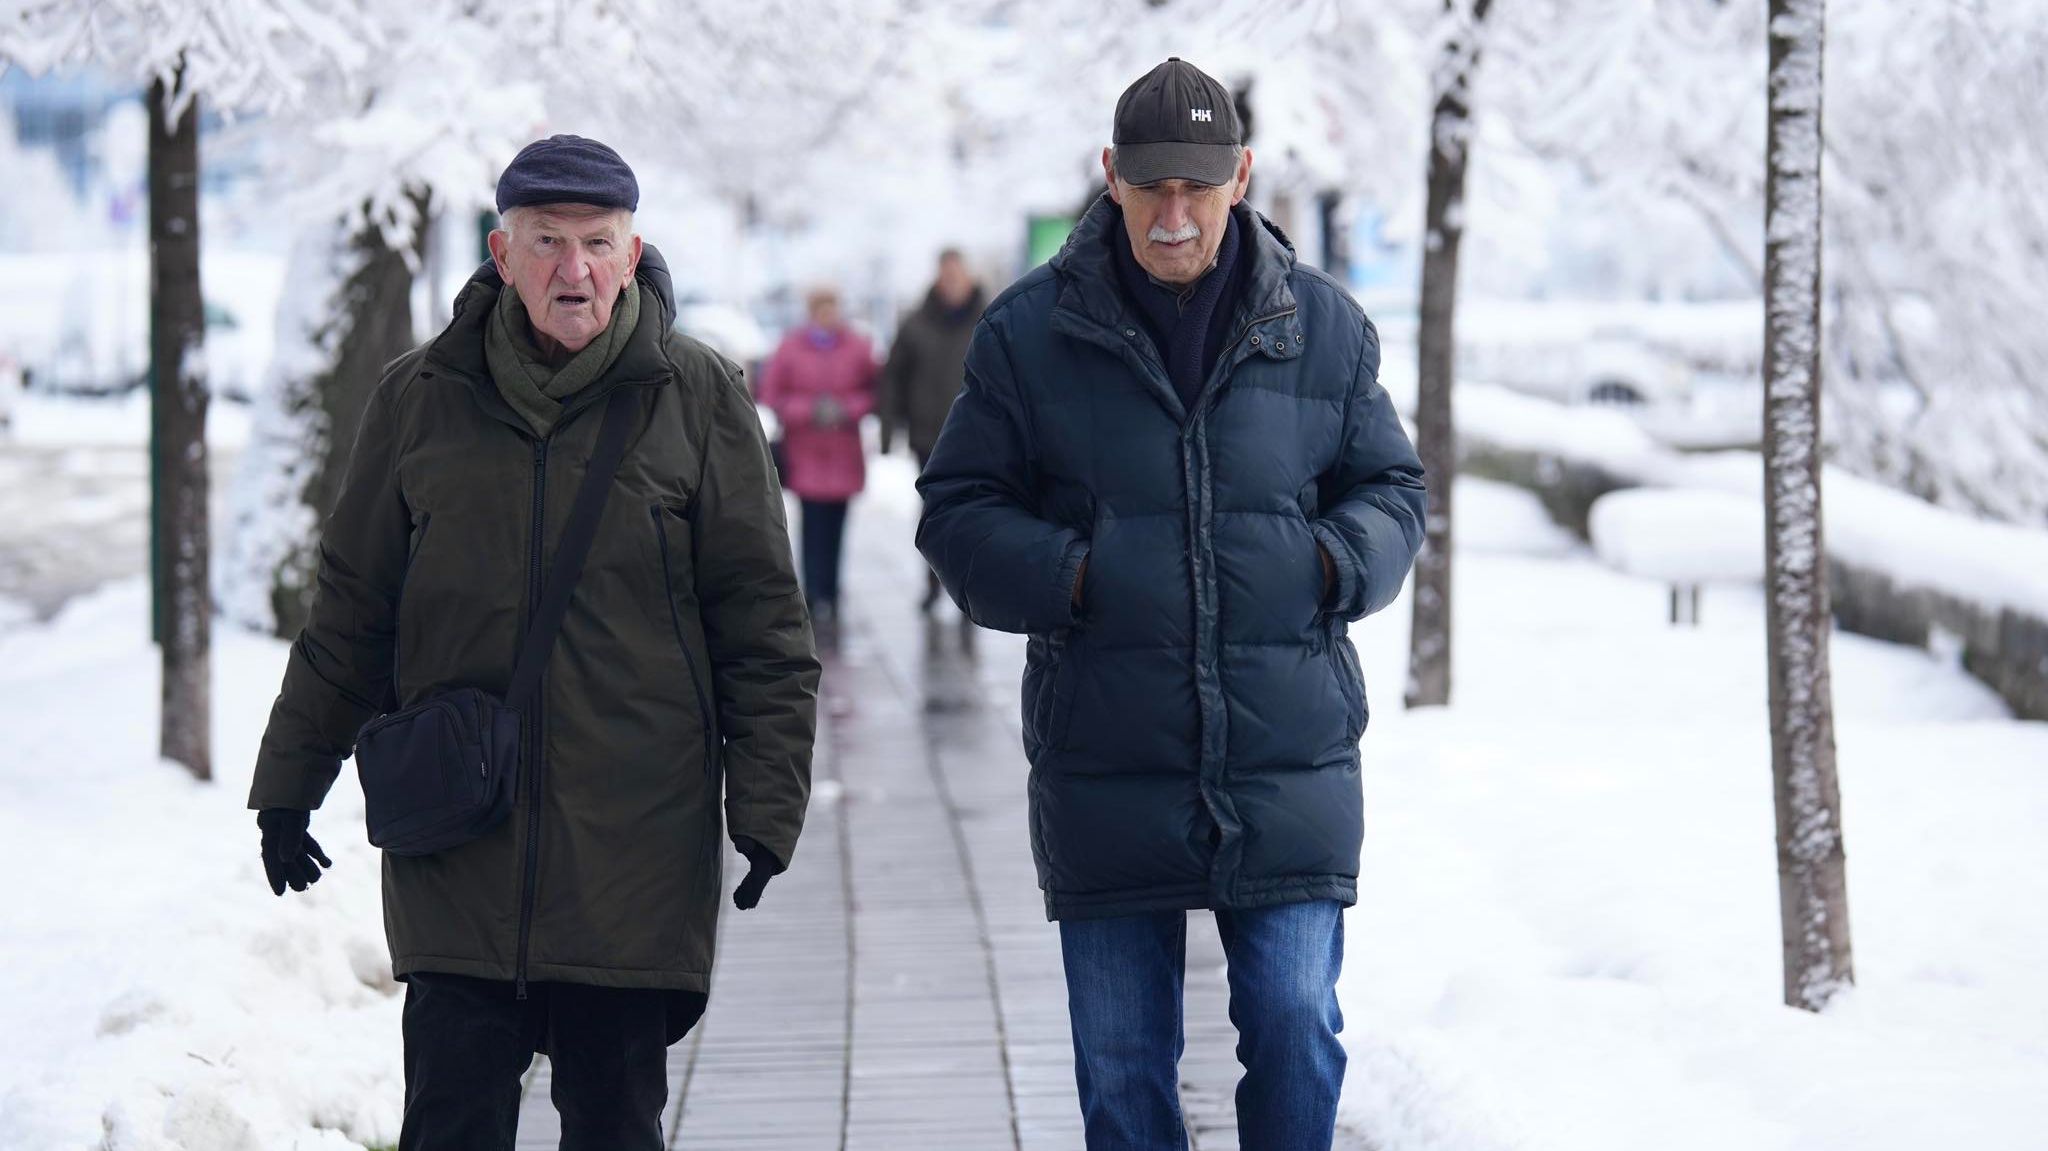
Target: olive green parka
(678, 703)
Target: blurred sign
(1043, 237)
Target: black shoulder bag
(445, 770)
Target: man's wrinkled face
(1176, 226)
(567, 262)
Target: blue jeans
(1124, 979)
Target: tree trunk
(347, 312)
(1813, 895)
(177, 329)
(1436, 438)
(1336, 240)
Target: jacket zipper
(1199, 512)
(1222, 367)
(529, 878)
(675, 620)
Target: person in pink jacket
(819, 383)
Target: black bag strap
(573, 549)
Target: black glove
(290, 856)
(762, 866)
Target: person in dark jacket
(923, 372)
(678, 704)
(1173, 467)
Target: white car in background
(1685, 371)
(80, 326)
(729, 330)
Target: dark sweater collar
(1160, 302)
(1188, 325)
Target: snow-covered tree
(239, 53)
(1812, 883)
(1937, 376)
(383, 145)
(718, 94)
(1936, 148)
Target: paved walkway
(899, 988)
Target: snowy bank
(1567, 929)
(1903, 569)
(1680, 537)
(159, 997)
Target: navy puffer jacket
(1193, 729)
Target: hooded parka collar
(1091, 307)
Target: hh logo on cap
(1201, 114)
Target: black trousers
(468, 1041)
(824, 530)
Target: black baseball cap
(1176, 123)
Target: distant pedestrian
(554, 835)
(1172, 465)
(11, 388)
(924, 368)
(820, 383)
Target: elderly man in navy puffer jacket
(1173, 467)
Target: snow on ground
(1680, 536)
(1568, 929)
(1997, 565)
(159, 997)
(1567, 936)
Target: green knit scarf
(534, 387)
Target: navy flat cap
(568, 170)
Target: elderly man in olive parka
(685, 660)
(684, 674)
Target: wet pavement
(76, 516)
(899, 987)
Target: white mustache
(1188, 231)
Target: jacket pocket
(1350, 678)
(1060, 689)
(1047, 692)
(1041, 844)
(661, 514)
(412, 555)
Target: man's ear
(500, 242)
(633, 256)
(1244, 178)
(1109, 176)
